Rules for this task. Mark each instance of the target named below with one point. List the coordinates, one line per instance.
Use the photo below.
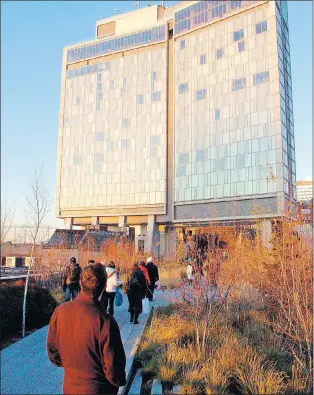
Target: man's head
(141, 263)
(112, 265)
(91, 261)
(72, 260)
(93, 280)
(149, 260)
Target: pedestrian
(111, 287)
(86, 341)
(71, 280)
(189, 272)
(136, 290)
(153, 276)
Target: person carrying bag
(109, 294)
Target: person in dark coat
(86, 341)
(71, 280)
(136, 289)
(154, 277)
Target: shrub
(39, 308)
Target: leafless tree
(7, 217)
(38, 203)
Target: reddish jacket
(86, 342)
(146, 274)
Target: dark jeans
(150, 292)
(108, 297)
(70, 293)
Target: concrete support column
(121, 221)
(151, 224)
(68, 222)
(95, 221)
(266, 233)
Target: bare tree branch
(38, 207)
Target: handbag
(118, 299)
(145, 306)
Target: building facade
(304, 191)
(178, 116)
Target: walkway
(25, 368)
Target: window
(261, 27)
(200, 155)
(99, 96)
(77, 160)
(125, 144)
(259, 78)
(183, 88)
(139, 99)
(203, 59)
(98, 106)
(201, 94)
(235, 4)
(154, 75)
(78, 100)
(154, 141)
(99, 157)
(99, 86)
(65, 122)
(124, 81)
(219, 53)
(111, 84)
(182, 44)
(238, 84)
(156, 96)
(99, 137)
(241, 46)
(183, 158)
(238, 35)
(217, 114)
(125, 122)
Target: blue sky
(33, 35)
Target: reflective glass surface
(104, 47)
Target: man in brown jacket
(86, 341)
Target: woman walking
(136, 289)
(111, 287)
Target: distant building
(304, 191)
(176, 117)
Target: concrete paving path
(25, 368)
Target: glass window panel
(219, 53)
(241, 46)
(200, 155)
(238, 84)
(238, 35)
(99, 137)
(182, 44)
(125, 144)
(217, 114)
(156, 96)
(78, 100)
(240, 161)
(203, 59)
(154, 141)
(126, 122)
(99, 157)
(140, 99)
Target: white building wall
(114, 148)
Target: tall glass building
(176, 117)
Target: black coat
(136, 292)
(73, 274)
(153, 273)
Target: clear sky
(33, 34)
